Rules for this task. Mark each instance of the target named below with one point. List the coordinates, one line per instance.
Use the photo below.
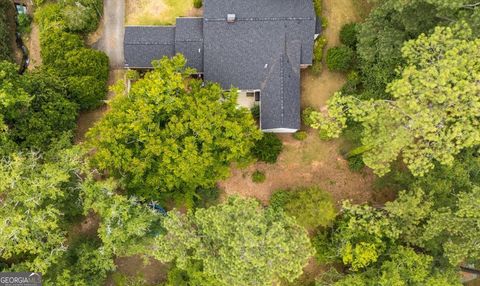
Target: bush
(55, 44)
(300, 135)
(198, 4)
(268, 148)
(258, 177)
(24, 24)
(340, 58)
(255, 110)
(352, 84)
(49, 113)
(311, 206)
(355, 163)
(325, 251)
(319, 45)
(87, 91)
(348, 35)
(206, 197)
(317, 4)
(80, 18)
(5, 38)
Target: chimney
(231, 18)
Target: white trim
(280, 130)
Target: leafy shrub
(348, 35)
(300, 135)
(258, 177)
(5, 38)
(49, 113)
(80, 18)
(206, 197)
(49, 16)
(319, 45)
(268, 148)
(255, 110)
(311, 206)
(198, 4)
(325, 250)
(340, 58)
(55, 44)
(352, 84)
(355, 163)
(24, 24)
(87, 91)
(317, 4)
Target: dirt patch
(158, 12)
(303, 163)
(87, 227)
(151, 270)
(87, 119)
(313, 161)
(32, 42)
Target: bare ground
(33, 45)
(313, 161)
(151, 270)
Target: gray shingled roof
(263, 49)
(143, 44)
(280, 97)
(259, 9)
(189, 41)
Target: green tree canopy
(34, 197)
(238, 242)
(434, 114)
(171, 133)
(312, 207)
(35, 112)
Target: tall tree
(435, 111)
(238, 243)
(171, 133)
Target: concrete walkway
(111, 41)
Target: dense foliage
(237, 243)
(434, 112)
(268, 148)
(85, 71)
(340, 58)
(311, 207)
(5, 31)
(172, 134)
(36, 113)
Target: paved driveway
(111, 41)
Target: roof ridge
(261, 19)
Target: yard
(158, 12)
(313, 161)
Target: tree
(49, 115)
(238, 243)
(5, 38)
(34, 194)
(170, 133)
(434, 115)
(380, 39)
(312, 207)
(362, 235)
(268, 148)
(348, 35)
(340, 58)
(12, 100)
(404, 267)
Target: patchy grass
(158, 12)
(313, 161)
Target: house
(258, 46)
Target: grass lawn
(158, 12)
